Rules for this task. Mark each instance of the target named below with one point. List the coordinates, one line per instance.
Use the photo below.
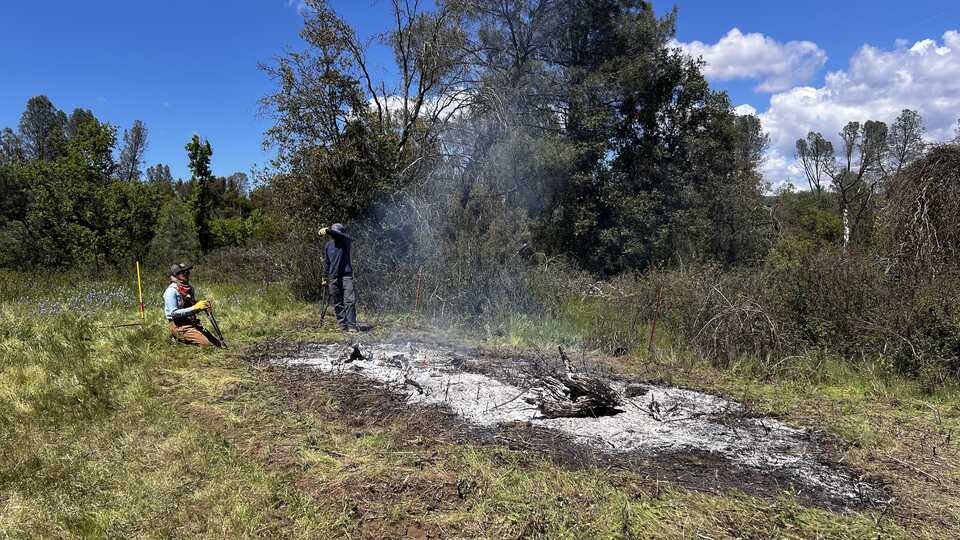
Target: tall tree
(11, 148)
(201, 201)
(655, 144)
(159, 176)
(858, 171)
(816, 156)
(175, 237)
(77, 118)
(134, 148)
(344, 135)
(42, 129)
(198, 154)
(71, 217)
(238, 183)
(739, 219)
(905, 140)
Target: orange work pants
(193, 334)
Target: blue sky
(191, 66)
(839, 28)
(181, 66)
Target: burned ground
(363, 402)
(376, 466)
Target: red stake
(416, 301)
(656, 316)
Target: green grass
(116, 432)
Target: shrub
(259, 262)
(826, 297)
(175, 238)
(920, 219)
(738, 326)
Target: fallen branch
(410, 382)
(573, 394)
(917, 470)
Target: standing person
(180, 306)
(336, 255)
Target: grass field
(117, 432)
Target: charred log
(350, 354)
(573, 394)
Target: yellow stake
(140, 291)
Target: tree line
(508, 134)
(567, 129)
(74, 194)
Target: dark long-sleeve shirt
(337, 255)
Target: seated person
(180, 306)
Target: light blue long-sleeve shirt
(171, 299)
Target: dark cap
(180, 268)
(339, 228)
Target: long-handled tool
(325, 285)
(216, 327)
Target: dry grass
(397, 472)
(118, 433)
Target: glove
(323, 231)
(202, 305)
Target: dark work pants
(344, 301)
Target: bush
(739, 326)
(175, 239)
(851, 303)
(304, 251)
(827, 297)
(14, 244)
(920, 327)
(920, 219)
(260, 262)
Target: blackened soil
(361, 402)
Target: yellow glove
(202, 305)
(322, 231)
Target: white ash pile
(641, 418)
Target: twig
(929, 476)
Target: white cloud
(877, 85)
(776, 65)
(449, 105)
(745, 110)
(299, 5)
